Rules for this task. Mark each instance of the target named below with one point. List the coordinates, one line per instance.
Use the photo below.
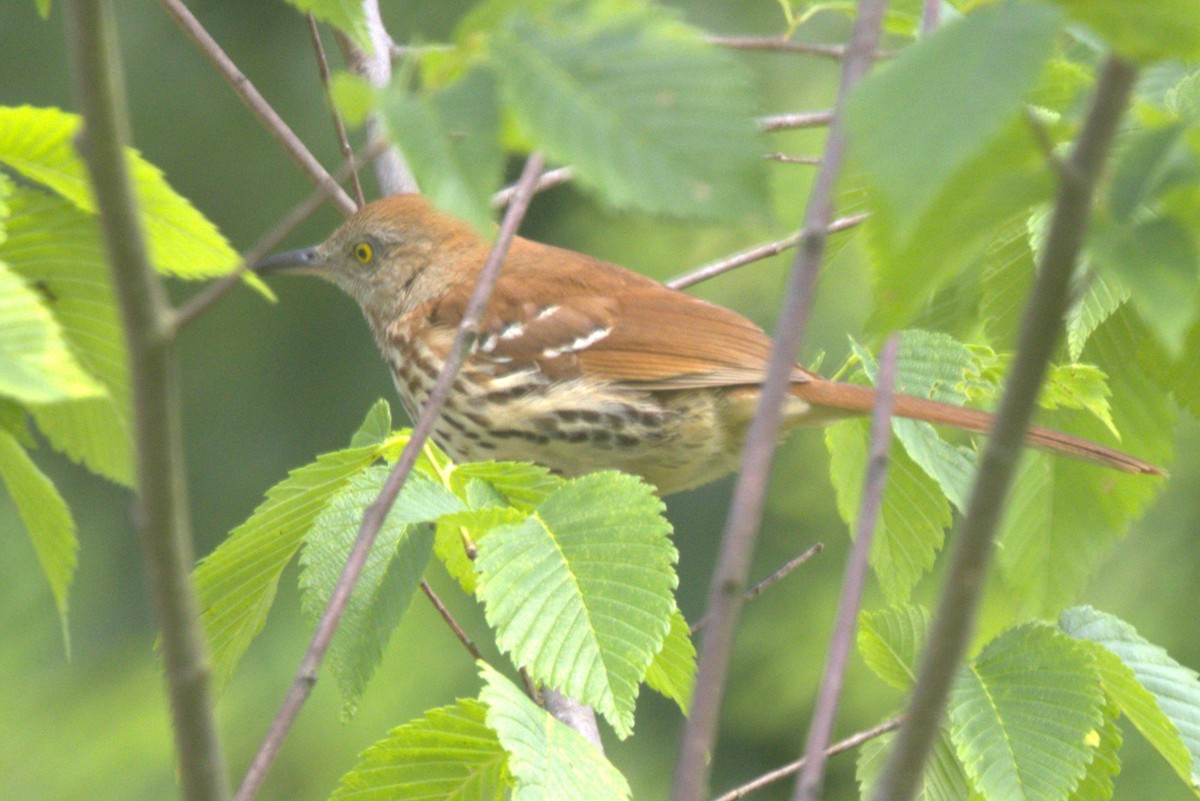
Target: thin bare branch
(391, 170)
(792, 768)
(778, 575)
(784, 158)
(792, 122)
(812, 778)
(931, 16)
(399, 52)
(1041, 330)
(692, 768)
(548, 180)
(462, 636)
(377, 512)
(756, 253)
(779, 44)
(161, 514)
(339, 128)
(258, 104)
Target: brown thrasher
(582, 365)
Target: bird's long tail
(833, 399)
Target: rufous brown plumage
(582, 365)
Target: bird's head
(391, 256)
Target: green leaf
(38, 143)
(47, 519)
(523, 484)
(449, 753)
(914, 516)
(454, 530)
(1147, 30)
(943, 779)
(1158, 695)
(1153, 161)
(347, 16)
(451, 138)
(1157, 260)
(998, 52)
(580, 594)
(891, 641)
(972, 211)
(1097, 783)
(57, 247)
(376, 427)
(673, 671)
(1079, 386)
(1065, 514)
(1022, 714)
(392, 572)
(1006, 275)
(645, 112)
(353, 96)
(236, 583)
(1099, 301)
(550, 760)
(36, 366)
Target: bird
(581, 365)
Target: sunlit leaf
(673, 671)
(47, 519)
(549, 760)
(1159, 696)
(448, 753)
(580, 593)
(645, 112)
(1021, 714)
(891, 640)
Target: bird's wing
(576, 316)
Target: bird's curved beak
(292, 260)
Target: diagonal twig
(462, 636)
(756, 253)
(1041, 329)
(692, 767)
(791, 768)
(377, 512)
(257, 104)
(792, 122)
(778, 575)
(812, 778)
(339, 128)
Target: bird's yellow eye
(364, 252)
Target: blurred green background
(267, 387)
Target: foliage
(956, 146)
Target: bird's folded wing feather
(619, 326)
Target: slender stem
(756, 253)
(339, 127)
(466, 641)
(692, 768)
(784, 158)
(548, 180)
(812, 778)
(779, 44)
(161, 513)
(792, 122)
(377, 512)
(257, 104)
(777, 576)
(931, 16)
(1041, 330)
(792, 768)
(391, 170)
